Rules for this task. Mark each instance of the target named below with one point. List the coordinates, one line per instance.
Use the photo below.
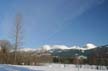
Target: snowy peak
(90, 46)
(54, 47)
(58, 47)
(63, 47)
(46, 47)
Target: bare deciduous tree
(5, 47)
(18, 31)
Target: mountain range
(63, 51)
(59, 47)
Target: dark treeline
(96, 56)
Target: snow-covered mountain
(89, 46)
(48, 47)
(59, 47)
(61, 50)
(63, 47)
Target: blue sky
(56, 22)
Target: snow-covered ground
(50, 67)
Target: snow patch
(90, 46)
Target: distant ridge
(59, 47)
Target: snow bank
(64, 67)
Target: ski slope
(49, 67)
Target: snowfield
(50, 67)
